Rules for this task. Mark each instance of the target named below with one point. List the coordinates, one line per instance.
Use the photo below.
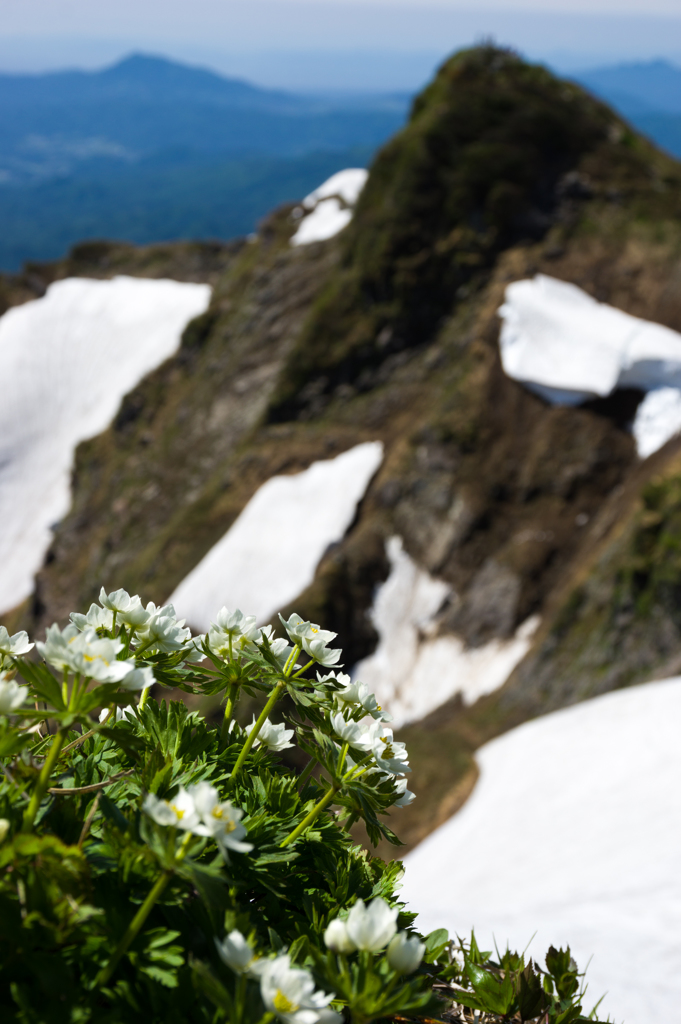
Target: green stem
(357, 769)
(310, 817)
(229, 710)
(143, 697)
(133, 928)
(351, 820)
(253, 734)
(343, 755)
(291, 660)
(240, 997)
(142, 914)
(306, 773)
(43, 781)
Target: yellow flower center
(177, 810)
(282, 1004)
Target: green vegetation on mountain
(389, 331)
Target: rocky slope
(389, 332)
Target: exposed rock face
(389, 332)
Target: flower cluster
(288, 992)
(216, 810)
(199, 811)
(372, 928)
(189, 872)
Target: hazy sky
(299, 42)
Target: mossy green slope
(488, 160)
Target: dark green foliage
(512, 988)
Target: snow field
(567, 347)
(68, 359)
(270, 553)
(573, 832)
(412, 671)
(329, 207)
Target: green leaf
(436, 942)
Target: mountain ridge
(390, 332)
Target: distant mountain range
(62, 123)
(648, 94)
(652, 87)
(151, 150)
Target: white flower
(129, 610)
(230, 631)
(179, 812)
(405, 952)
(372, 927)
(138, 679)
(236, 952)
(220, 821)
(290, 993)
(282, 651)
(406, 795)
(16, 645)
(320, 653)
(194, 653)
(12, 696)
(85, 653)
(120, 713)
(336, 937)
(357, 734)
(275, 737)
(96, 618)
(163, 631)
(390, 755)
(312, 638)
(299, 629)
(358, 694)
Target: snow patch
(567, 347)
(67, 361)
(330, 206)
(412, 672)
(573, 831)
(658, 418)
(270, 553)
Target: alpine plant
(157, 868)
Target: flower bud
(336, 937)
(405, 952)
(4, 829)
(236, 952)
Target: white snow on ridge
(412, 672)
(328, 209)
(573, 831)
(270, 553)
(347, 184)
(67, 361)
(658, 418)
(567, 347)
